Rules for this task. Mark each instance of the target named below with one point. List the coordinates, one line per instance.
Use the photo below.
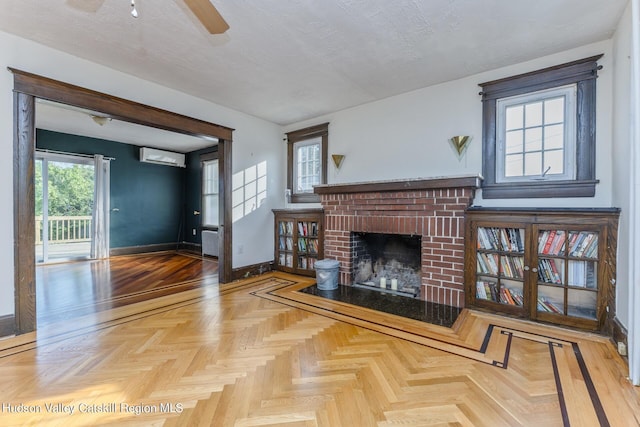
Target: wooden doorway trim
(27, 88)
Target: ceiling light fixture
(134, 12)
(101, 120)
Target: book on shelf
(487, 290)
(488, 263)
(548, 306)
(488, 238)
(302, 228)
(582, 274)
(557, 244)
(302, 245)
(546, 245)
(289, 243)
(503, 239)
(517, 239)
(312, 246)
(505, 297)
(583, 243)
(510, 296)
(283, 228)
(512, 266)
(552, 242)
(481, 290)
(481, 265)
(511, 240)
(517, 296)
(549, 272)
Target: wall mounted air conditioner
(161, 157)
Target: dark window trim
(583, 73)
(321, 130)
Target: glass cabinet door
(567, 273)
(500, 265)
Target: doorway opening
(64, 207)
(29, 87)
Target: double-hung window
(539, 133)
(306, 162)
(210, 194)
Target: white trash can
(327, 274)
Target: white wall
(621, 155)
(255, 142)
(406, 136)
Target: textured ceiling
(286, 61)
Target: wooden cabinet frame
(303, 245)
(534, 223)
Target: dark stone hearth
(412, 308)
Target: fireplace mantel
(469, 181)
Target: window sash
(538, 153)
(210, 194)
(307, 165)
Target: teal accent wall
(150, 198)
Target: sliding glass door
(64, 207)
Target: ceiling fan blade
(208, 15)
(91, 6)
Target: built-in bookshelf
(298, 240)
(552, 265)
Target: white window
(536, 136)
(210, 195)
(539, 133)
(307, 164)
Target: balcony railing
(64, 229)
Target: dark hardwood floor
(73, 289)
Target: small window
(307, 162)
(308, 165)
(210, 194)
(538, 136)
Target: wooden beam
(114, 107)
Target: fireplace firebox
(387, 261)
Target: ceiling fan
(206, 13)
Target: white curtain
(100, 241)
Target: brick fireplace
(430, 208)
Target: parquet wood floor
(258, 353)
(71, 289)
